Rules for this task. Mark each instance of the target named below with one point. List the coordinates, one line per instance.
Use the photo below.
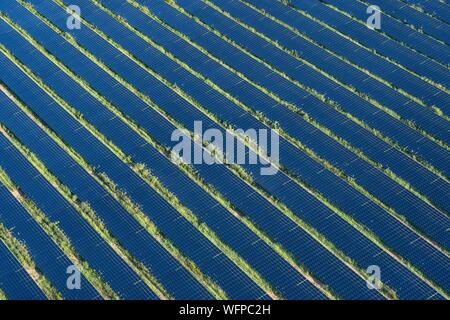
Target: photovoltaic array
(88, 181)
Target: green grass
(20, 251)
(3, 296)
(55, 233)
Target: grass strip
(20, 251)
(420, 9)
(3, 296)
(58, 237)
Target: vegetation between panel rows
(20, 251)
(294, 108)
(266, 121)
(3, 295)
(58, 236)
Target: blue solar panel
(49, 258)
(14, 281)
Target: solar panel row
(14, 281)
(49, 258)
